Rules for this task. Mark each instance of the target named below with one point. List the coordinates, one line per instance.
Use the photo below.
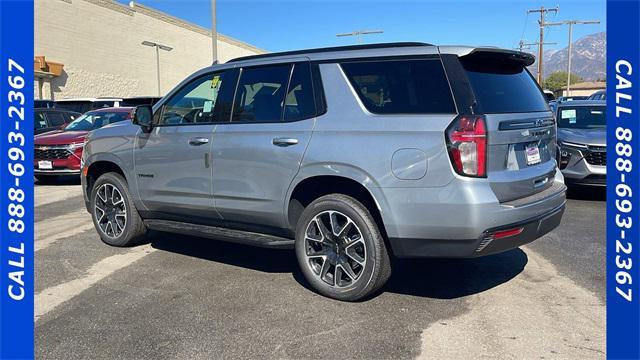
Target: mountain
(588, 59)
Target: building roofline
(134, 7)
(159, 15)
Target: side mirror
(143, 117)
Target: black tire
(46, 179)
(134, 229)
(376, 269)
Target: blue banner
(16, 179)
(623, 182)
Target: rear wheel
(112, 210)
(340, 249)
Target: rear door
(521, 128)
(258, 153)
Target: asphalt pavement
(181, 297)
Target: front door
(173, 161)
(258, 153)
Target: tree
(557, 80)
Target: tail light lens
(467, 145)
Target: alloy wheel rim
(110, 210)
(335, 249)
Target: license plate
(45, 165)
(533, 154)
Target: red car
(59, 152)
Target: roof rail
(330, 49)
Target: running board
(219, 233)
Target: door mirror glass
(143, 116)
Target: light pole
(571, 23)
(358, 34)
(158, 48)
(214, 32)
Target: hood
(583, 136)
(59, 137)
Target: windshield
(94, 120)
(582, 117)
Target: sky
(289, 25)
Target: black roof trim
(331, 49)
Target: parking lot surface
(181, 297)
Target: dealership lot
(182, 297)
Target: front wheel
(112, 210)
(340, 249)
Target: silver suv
(350, 155)
(582, 141)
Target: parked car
(82, 105)
(52, 119)
(350, 155)
(582, 142)
(598, 95)
(571, 98)
(37, 104)
(59, 152)
(140, 100)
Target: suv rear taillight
(467, 145)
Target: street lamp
(158, 48)
(214, 32)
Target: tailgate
(520, 127)
(521, 154)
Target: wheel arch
(344, 180)
(100, 164)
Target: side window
(205, 100)
(299, 103)
(55, 119)
(401, 86)
(261, 93)
(40, 121)
(69, 117)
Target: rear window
(582, 117)
(416, 86)
(504, 88)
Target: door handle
(284, 142)
(198, 141)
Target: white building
(99, 43)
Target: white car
(82, 105)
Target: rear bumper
(452, 221)
(532, 229)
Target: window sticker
(207, 106)
(569, 114)
(215, 82)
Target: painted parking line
(49, 194)
(48, 231)
(50, 298)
